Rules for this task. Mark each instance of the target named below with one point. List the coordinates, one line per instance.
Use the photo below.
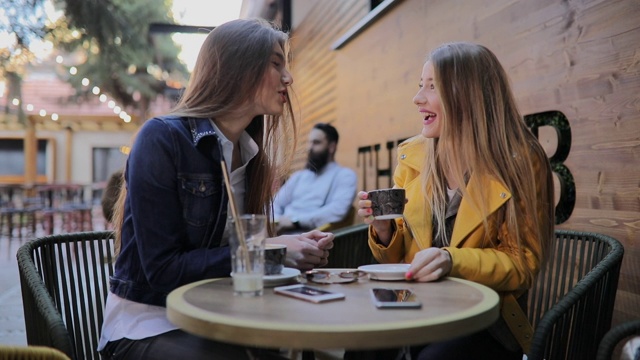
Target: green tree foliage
(119, 55)
(125, 61)
(22, 21)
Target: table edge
(190, 318)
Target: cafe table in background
(450, 308)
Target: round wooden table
(450, 308)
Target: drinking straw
(235, 214)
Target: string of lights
(96, 91)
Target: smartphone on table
(308, 293)
(395, 298)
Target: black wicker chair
(64, 280)
(617, 336)
(350, 248)
(571, 302)
(346, 222)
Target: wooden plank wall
(314, 65)
(579, 57)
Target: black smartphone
(395, 298)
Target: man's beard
(317, 162)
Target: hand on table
(429, 265)
(307, 250)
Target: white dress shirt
(316, 199)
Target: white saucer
(388, 216)
(385, 271)
(285, 277)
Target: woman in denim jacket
(172, 210)
(480, 196)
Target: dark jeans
(178, 344)
(480, 345)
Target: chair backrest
(64, 280)
(617, 336)
(350, 248)
(346, 221)
(571, 302)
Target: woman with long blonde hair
(172, 210)
(480, 196)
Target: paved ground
(12, 328)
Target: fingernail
(408, 275)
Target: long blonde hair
(483, 133)
(231, 64)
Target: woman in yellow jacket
(479, 193)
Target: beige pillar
(68, 153)
(30, 153)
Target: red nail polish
(408, 275)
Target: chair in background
(347, 221)
(64, 204)
(64, 280)
(17, 216)
(30, 353)
(617, 336)
(17, 222)
(351, 248)
(571, 302)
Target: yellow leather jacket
(491, 263)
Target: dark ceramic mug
(387, 203)
(274, 255)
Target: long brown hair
(231, 64)
(484, 134)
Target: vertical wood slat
(313, 65)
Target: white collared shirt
(314, 199)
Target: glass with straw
(248, 233)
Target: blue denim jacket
(175, 212)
